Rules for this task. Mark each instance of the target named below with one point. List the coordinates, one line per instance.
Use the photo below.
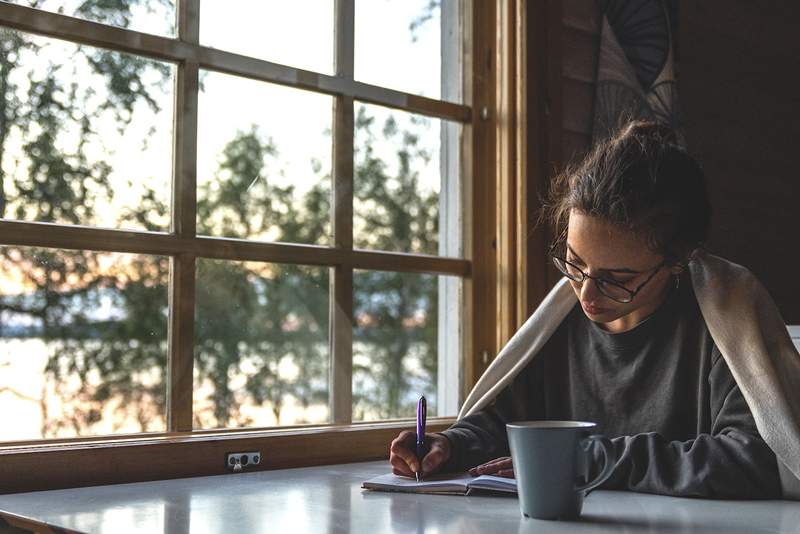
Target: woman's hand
(403, 457)
(500, 467)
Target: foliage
(261, 329)
(404, 218)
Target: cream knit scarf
(746, 327)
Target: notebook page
(490, 482)
(436, 483)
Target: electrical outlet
(236, 461)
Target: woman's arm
(481, 437)
(731, 461)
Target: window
(259, 235)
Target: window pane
(149, 16)
(399, 45)
(398, 203)
(402, 338)
(298, 33)
(90, 135)
(83, 343)
(261, 356)
(263, 170)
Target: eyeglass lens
(610, 290)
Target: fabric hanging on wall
(636, 69)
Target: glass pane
(263, 171)
(399, 45)
(89, 140)
(298, 33)
(149, 16)
(261, 356)
(83, 343)
(398, 203)
(402, 338)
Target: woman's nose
(589, 291)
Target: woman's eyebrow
(619, 270)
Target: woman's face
(607, 251)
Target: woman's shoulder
(733, 302)
(725, 283)
(708, 267)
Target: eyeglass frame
(597, 279)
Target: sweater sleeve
(481, 437)
(732, 461)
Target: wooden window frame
(493, 137)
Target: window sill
(35, 466)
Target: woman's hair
(642, 180)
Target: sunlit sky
(297, 33)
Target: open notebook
(444, 484)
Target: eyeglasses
(613, 290)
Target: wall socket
(236, 461)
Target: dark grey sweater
(661, 391)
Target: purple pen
(422, 414)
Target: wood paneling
(506, 168)
(574, 145)
(480, 244)
(544, 131)
(738, 75)
(580, 52)
(580, 38)
(582, 15)
(577, 106)
(556, 102)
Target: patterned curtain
(636, 68)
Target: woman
(635, 353)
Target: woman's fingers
(400, 451)
(438, 454)
(400, 467)
(493, 467)
(506, 473)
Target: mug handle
(609, 460)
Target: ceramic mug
(551, 464)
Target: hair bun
(648, 132)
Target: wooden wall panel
(574, 146)
(580, 51)
(578, 105)
(580, 37)
(738, 74)
(582, 15)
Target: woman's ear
(678, 267)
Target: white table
(329, 499)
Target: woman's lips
(592, 310)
